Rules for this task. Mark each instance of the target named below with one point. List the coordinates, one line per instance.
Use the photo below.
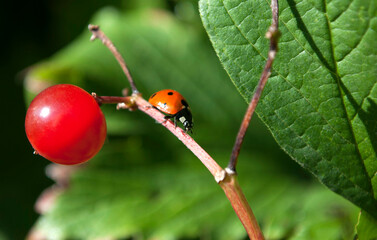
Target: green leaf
(366, 227)
(321, 100)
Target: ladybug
(174, 105)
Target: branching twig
(97, 33)
(273, 35)
(228, 182)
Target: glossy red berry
(65, 125)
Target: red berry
(65, 124)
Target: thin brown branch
(240, 205)
(111, 99)
(273, 35)
(228, 182)
(275, 14)
(97, 33)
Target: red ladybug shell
(168, 101)
(174, 105)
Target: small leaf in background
(366, 227)
(320, 101)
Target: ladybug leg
(174, 119)
(167, 117)
(175, 122)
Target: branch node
(130, 105)
(230, 172)
(98, 99)
(93, 28)
(273, 33)
(220, 175)
(121, 106)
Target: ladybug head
(185, 117)
(188, 125)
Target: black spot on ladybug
(170, 93)
(184, 103)
(165, 104)
(154, 94)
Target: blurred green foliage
(366, 227)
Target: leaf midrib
(338, 79)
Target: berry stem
(110, 99)
(126, 102)
(273, 35)
(97, 33)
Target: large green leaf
(321, 100)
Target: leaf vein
(340, 85)
(341, 12)
(241, 32)
(356, 45)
